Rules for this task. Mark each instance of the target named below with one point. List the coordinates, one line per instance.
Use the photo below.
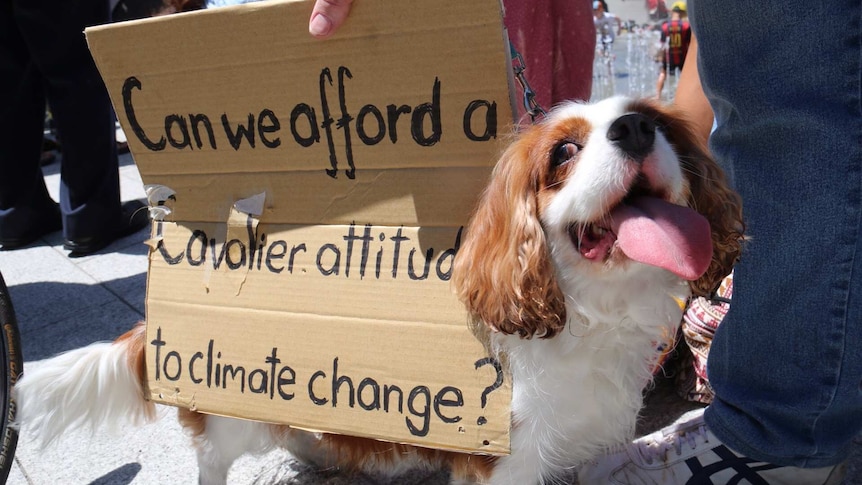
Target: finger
(327, 16)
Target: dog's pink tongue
(665, 235)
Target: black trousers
(44, 56)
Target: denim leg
(783, 77)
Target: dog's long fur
(579, 334)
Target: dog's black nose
(634, 134)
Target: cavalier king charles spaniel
(598, 223)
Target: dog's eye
(564, 152)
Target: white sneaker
(686, 452)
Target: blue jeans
(783, 77)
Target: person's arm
(690, 98)
(327, 16)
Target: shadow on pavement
(121, 476)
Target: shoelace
(657, 449)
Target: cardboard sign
(312, 196)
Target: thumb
(327, 16)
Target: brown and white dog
(597, 223)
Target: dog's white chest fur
(580, 392)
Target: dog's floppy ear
(710, 195)
(503, 272)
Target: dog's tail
(97, 385)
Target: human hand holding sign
(327, 16)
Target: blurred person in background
(675, 39)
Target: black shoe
(134, 218)
(49, 224)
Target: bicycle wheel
(11, 364)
